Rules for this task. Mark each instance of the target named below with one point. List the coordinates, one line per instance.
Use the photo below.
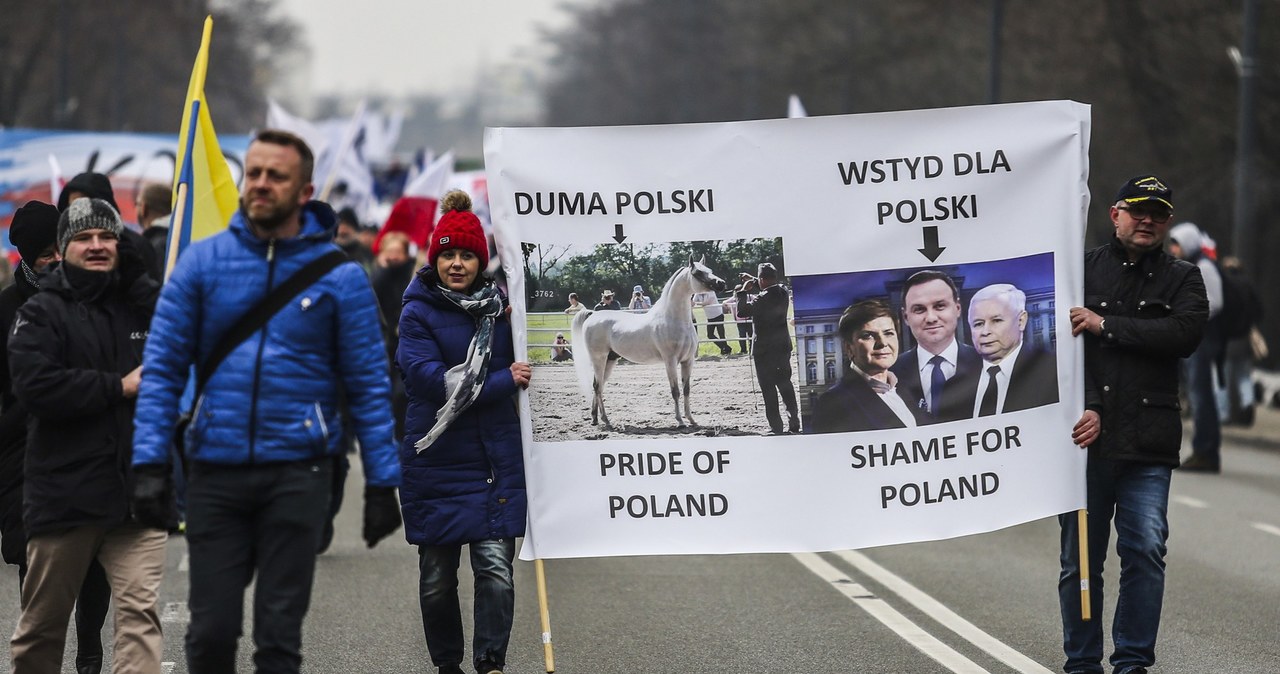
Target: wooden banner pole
(1082, 529)
(545, 613)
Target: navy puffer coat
(469, 485)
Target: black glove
(153, 496)
(381, 514)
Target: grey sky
(413, 46)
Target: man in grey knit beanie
(86, 213)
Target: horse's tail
(582, 353)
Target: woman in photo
(463, 471)
(866, 398)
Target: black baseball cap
(1145, 188)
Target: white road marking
(184, 564)
(889, 616)
(167, 667)
(1269, 528)
(175, 612)
(936, 610)
(1190, 502)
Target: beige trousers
(133, 557)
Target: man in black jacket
(1143, 311)
(34, 231)
(75, 350)
(771, 346)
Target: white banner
(991, 200)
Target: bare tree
(1162, 89)
(125, 65)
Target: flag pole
(544, 612)
(1082, 530)
(180, 212)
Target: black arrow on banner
(620, 237)
(931, 248)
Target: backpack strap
(257, 316)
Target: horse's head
(703, 276)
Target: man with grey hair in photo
(1015, 375)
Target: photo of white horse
(663, 334)
(587, 342)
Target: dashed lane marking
(939, 612)
(1190, 502)
(1268, 528)
(880, 610)
(184, 564)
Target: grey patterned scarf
(463, 382)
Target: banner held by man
(874, 241)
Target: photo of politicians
(911, 347)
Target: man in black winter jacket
(75, 350)
(34, 232)
(1143, 311)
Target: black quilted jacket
(67, 356)
(1155, 311)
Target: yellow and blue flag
(205, 194)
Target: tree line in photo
(553, 271)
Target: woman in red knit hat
(463, 468)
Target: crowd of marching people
(271, 351)
(220, 393)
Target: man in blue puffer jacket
(262, 441)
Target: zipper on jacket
(324, 428)
(257, 363)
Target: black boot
(86, 662)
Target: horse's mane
(666, 287)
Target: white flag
(795, 108)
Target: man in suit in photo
(1014, 376)
(939, 376)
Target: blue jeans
(1235, 398)
(1137, 496)
(495, 601)
(1206, 436)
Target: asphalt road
(980, 603)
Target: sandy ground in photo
(725, 401)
